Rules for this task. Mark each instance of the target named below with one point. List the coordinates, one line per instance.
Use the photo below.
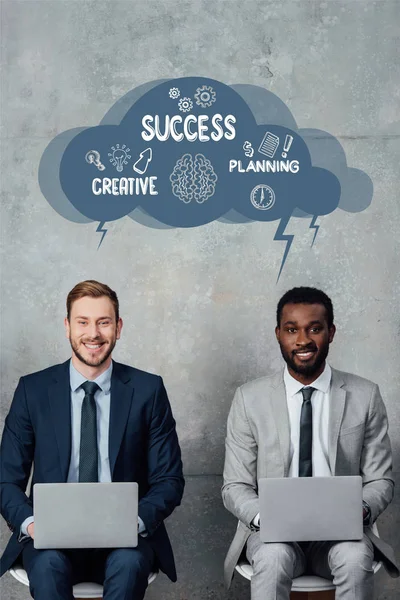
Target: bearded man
(340, 420)
(134, 440)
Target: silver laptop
(303, 509)
(85, 515)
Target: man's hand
(366, 514)
(256, 522)
(31, 530)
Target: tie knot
(307, 393)
(90, 387)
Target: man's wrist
(366, 514)
(25, 524)
(23, 533)
(142, 528)
(255, 524)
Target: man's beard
(306, 370)
(97, 361)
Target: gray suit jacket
(258, 440)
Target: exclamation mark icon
(286, 145)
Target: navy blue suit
(143, 447)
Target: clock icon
(262, 197)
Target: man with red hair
(91, 419)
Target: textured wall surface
(199, 304)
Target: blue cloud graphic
(185, 152)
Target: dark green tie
(305, 443)
(88, 469)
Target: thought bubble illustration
(185, 152)
(193, 179)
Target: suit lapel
(281, 416)
(59, 395)
(121, 400)
(336, 409)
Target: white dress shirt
(320, 418)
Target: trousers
(275, 565)
(123, 572)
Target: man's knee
(280, 555)
(49, 570)
(128, 561)
(48, 561)
(351, 556)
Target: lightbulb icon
(119, 156)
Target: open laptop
(303, 509)
(85, 515)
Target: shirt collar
(103, 381)
(322, 383)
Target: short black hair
(305, 295)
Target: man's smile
(93, 347)
(304, 355)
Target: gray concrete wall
(199, 304)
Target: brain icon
(193, 179)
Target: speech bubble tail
(101, 230)
(280, 236)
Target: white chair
(304, 583)
(80, 590)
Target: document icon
(269, 144)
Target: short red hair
(93, 289)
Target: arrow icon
(143, 161)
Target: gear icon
(205, 96)
(174, 93)
(185, 104)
